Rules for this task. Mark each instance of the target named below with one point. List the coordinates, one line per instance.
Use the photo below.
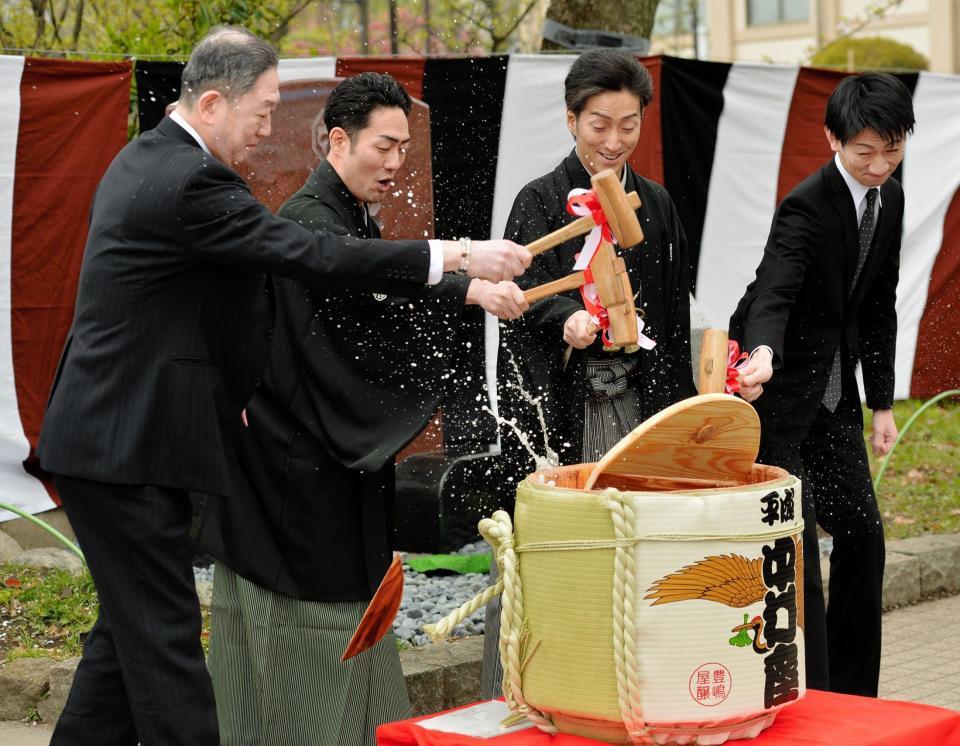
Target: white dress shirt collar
(858, 191)
(178, 118)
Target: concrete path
(18, 734)
(921, 653)
(921, 663)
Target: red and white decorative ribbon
(735, 361)
(583, 202)
(598, 312)
(596, 309)
(642, 340)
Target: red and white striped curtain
(60, 126)
(727, 140)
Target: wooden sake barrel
(663, 605)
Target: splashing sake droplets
(551, 459)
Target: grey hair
(229, 60)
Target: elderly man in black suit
(824, 299)
(168, 339)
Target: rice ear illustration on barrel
(731, 580)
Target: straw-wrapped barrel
(655, 597)
(644, 616)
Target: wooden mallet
(609, 271)
(618, 207)
(613, 287)
(712, 373)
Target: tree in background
(677, 26)
(111, 27)
(492, 23)
(170, 28)
(422, 27)
(847, 51)
(633, 17)
(869, 53)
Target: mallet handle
(571, 230)
(712, 377)
(540, 292)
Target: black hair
(350, 103)
(230, 60)
(877, 101)
(603, 70)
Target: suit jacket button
(257, 382)
(268, 334)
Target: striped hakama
(612, 406)
(277, 674)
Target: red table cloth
(820, 719)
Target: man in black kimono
(354, 376)
(615, 389)
(590, 396)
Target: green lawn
(49, 613)
(44, 613)
(920, 489)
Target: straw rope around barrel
(494, 531)
(517, 646)
(498, 532)
(442, 629)
(624, 630)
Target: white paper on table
(482, 720)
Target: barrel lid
(712, 436)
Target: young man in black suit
(353, 377)
(823, 299)
(167, 344)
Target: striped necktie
(831, 396)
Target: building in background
(674, 26)
(792, 30)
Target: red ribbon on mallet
(735, 361)
(589, 204)
(595, 307)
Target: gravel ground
(426, 599)
(826, 546)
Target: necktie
(831, 396)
